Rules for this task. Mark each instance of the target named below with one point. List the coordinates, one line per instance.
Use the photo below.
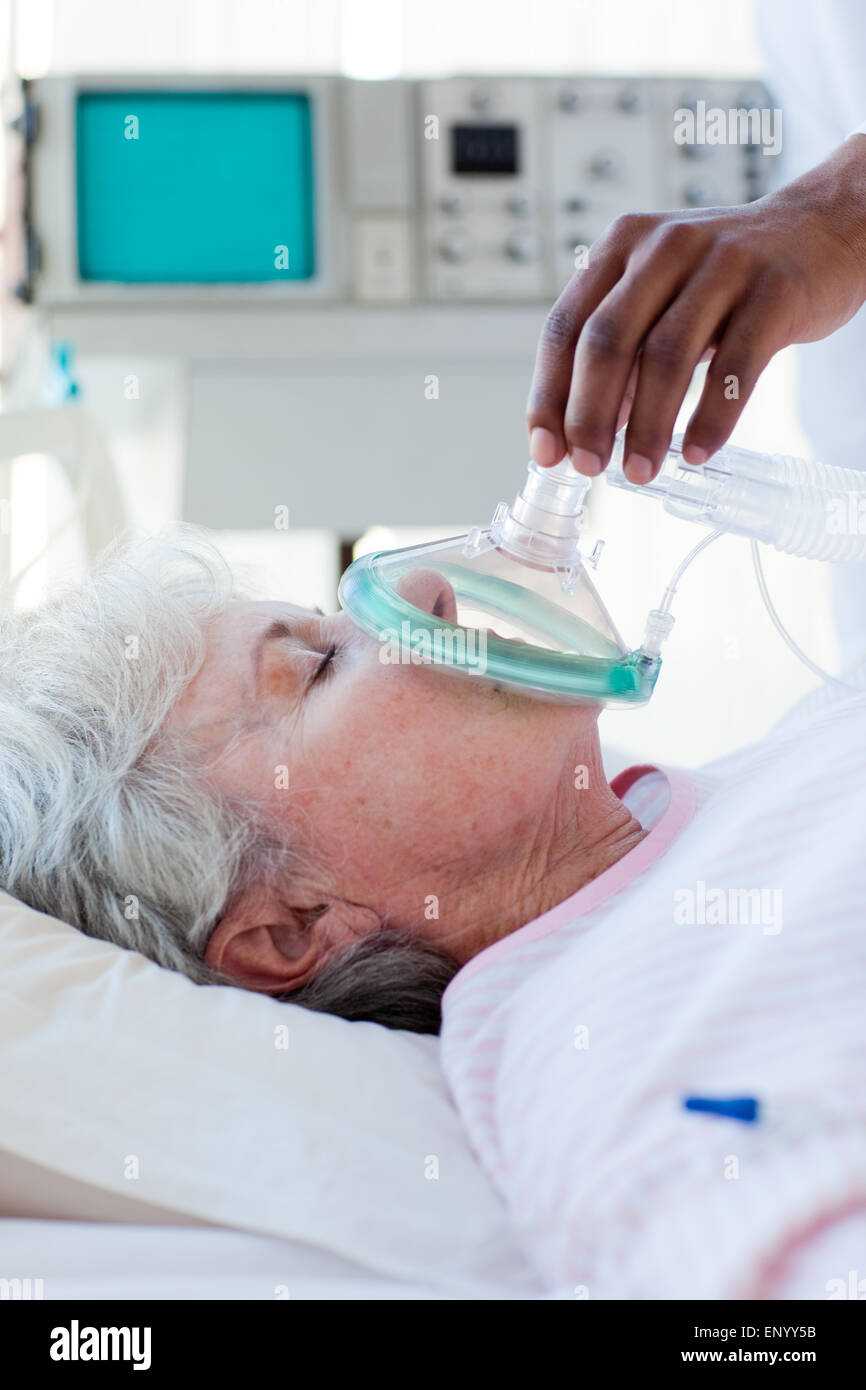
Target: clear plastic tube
(807, 509)
(824, 676)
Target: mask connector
(659, 625)
(544, 522)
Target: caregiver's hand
(663, 292)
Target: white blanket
(90, 1260)
(732, 968)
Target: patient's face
(403, 780)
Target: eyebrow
(279, 628)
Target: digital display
(194, 187)
(484, 149)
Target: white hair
(107, 822)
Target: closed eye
(325, 664)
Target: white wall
(386, 37)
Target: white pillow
(130, 1078)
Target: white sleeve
(829, 1263)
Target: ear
(274, 948)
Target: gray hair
(106, 821)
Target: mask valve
(544, 522)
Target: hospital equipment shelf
(317, 407)
(291, 332)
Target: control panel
(524, 174)
(491, 189)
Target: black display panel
(484, 149)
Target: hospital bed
(164, 1140)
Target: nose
(431, 592)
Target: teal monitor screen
(194, 187)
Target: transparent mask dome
(512, 604)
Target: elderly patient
(631, 979)
(244, 792)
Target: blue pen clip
(743, 1108)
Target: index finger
(554, 357)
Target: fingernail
(585, 462)
(638, 469)
(693, 454)
(542, 447)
